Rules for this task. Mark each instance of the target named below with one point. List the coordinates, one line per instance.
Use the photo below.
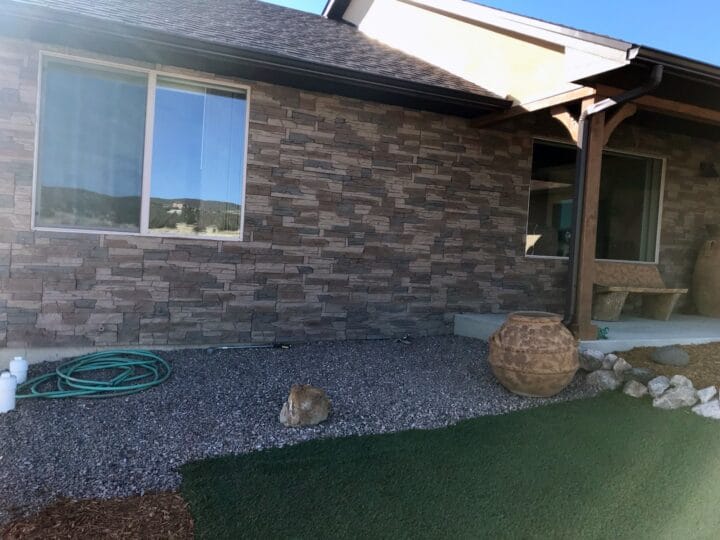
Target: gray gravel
(228, 402)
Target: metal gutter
(680, 65)
(653, 82)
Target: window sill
(559, 258)
(67, 230)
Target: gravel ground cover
(703, 369)
(227, 402)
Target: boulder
(306, 405)
(676, 398)
(680, 380)
(604, 379)
(591, 360)
(711, 409)
(609, 361)
(706, 394)
(635, 389)
(620, 367)
(641, 375)
(658, 385)
(671, 356)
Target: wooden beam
(670, 107)
(624, 112)
(583, 327)
(565, 117)
(532, 106)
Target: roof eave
(118, 39)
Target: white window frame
(152, 76)
(658, 233)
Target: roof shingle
(268, 28)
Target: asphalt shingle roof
(268, 28)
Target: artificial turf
(608, 467)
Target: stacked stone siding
(362, 220)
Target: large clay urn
(533, 354)
(706, 278)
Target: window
(628, 210)
(96, 171)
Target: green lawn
(609, 467)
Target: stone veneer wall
(362, 221)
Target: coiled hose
(126, 372)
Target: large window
(138, 152)
(628, 210)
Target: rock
(675, 398)
(641, 375)
(711, 409)
(620, 367)
(706, 394)
(680, 380)
(658, 385)
(609, 361)
(591, 360)
(604, 379)
(635, 389)
(671, 356)
(306, 405)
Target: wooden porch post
(582, 326)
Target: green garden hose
(125, 372)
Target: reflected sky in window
(198, 143)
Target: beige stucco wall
(506, 63)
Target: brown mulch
(703, 369)
(155, 515)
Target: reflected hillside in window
(85, 209)
(194, 216)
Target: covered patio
(623, 214)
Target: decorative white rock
(635, 389)
(706, 394)
(658, 385)
(604, 379)
(591, 360)
(620, 367)
(711, 409)
(680, 380)
(609, 361)
(676, 398)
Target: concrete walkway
(622, 335)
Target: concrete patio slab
(623, 335)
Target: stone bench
(614, 281)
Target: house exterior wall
(362, 221)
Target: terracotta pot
(706, 278)
(533, 354)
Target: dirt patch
(156, 515)
(703, 369)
